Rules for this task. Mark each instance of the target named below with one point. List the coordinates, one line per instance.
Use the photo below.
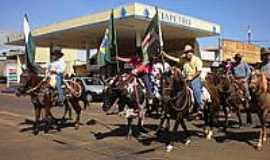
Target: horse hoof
(169, 148)
(129, 138)
(77, 126)
(259, 147)
(188, 141)
(209, 135)
(35, 132)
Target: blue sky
(234, 16)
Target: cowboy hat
(265, 51)
(57, 51)
(188, 48)
(238, 55)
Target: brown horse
(212, 105)
(259, 87)
(43, 97)
(126, 91)
(233, 97)
(177, 105)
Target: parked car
(94, 88)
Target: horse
(212, 102)
(233, 97)
(43, 96)
(259, 87)
(127, 91)
(177, 105)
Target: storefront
(131, 21)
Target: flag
(108, 47)
(29, 46)
(103, 52)
(152, 42)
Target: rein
(75, 93)
(36, 87)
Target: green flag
(152, 42)
(29, 46)
(108, 47)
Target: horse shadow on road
(145, 137)
(55, 125)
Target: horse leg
(47, 121)
(209, 121)
(226, 115)
(37, 117)
(206, 119)
(187, 134)
(76, 106)
(129, 128)
(162, 120)
(238, 113)
(173, 136)
(260, 142)
(85, 104)
(264, 128)
(67, 111)
(248, 112)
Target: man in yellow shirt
(192, 69)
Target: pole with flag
(29, 46)
(152, 43)
(108, 47)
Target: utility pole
(249, 34)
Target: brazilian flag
(108, 47)
(29, 46)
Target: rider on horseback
(241, 72)
(58, 67)
(140, 69)
(265, 66)
(192, 69)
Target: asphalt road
(102, 137)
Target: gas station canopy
(131, 22)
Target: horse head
(258, 81)
(111, 93)
(27, 80)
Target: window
(92, 82)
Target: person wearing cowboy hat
(241, 71)
(192, 70)
(58, 67)
(265, 65)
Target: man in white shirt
(58, 67)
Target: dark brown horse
(233, 97)
(260, 89)
(177, 105)
(43, 97)
(212, 105)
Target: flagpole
(162, 59)
(115, 41)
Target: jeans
(59, 80)
(148, 84)
(196, 86)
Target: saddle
(70, 87)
